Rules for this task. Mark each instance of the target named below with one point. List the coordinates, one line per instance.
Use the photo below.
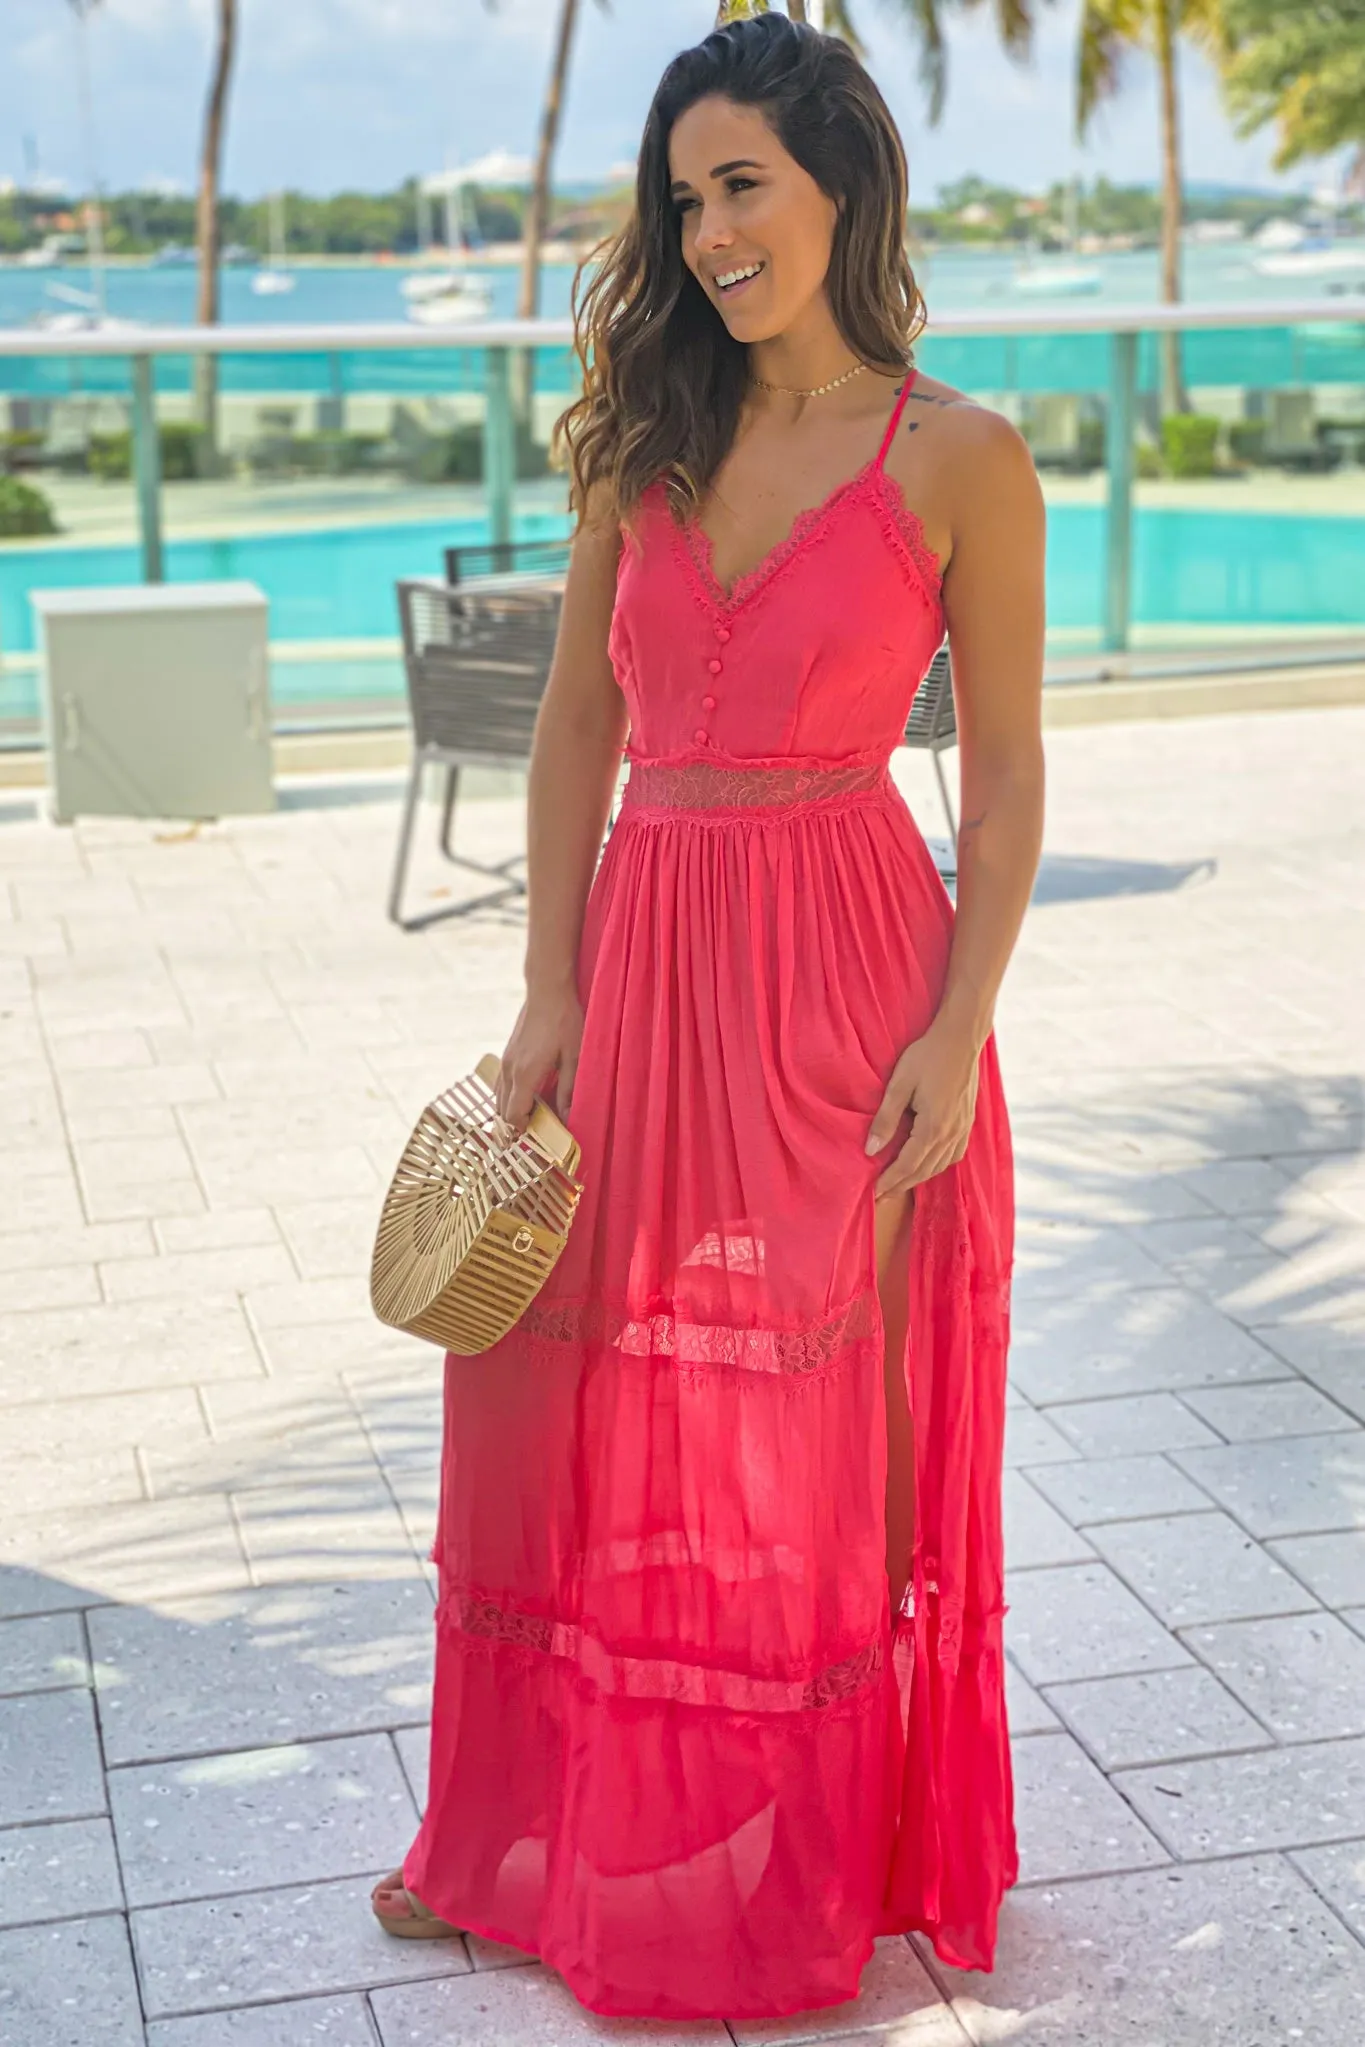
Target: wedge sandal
(412, 1920)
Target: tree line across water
(971, 209)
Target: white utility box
(157, 700)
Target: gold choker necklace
(820, 389)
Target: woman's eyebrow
(721, 170)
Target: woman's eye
(740, 184)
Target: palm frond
(839, 22)
(1108, 28)
(924, 18)
(1302, 69)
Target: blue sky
(331, 93)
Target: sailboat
(273, 278)
(450, 297)
(1064, 277)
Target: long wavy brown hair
(663, 380)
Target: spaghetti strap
(895, 418)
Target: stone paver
(42, 1654)
(1198, 1567)
(1070, 1819)
(1155, 1716)
(1131, 1426)
(293, 1663)
(302, 2022)
(1332, 1566)
(1302, 1675)
(1250, 1414)
(49, 1758)
(1118, 1489)
(534, 2009)
(1297, 1485)
(64, 1870)
(69, 1985)
(211, 1047)
(294, 1941)
(1080, 1621)
(1036, 1533)
(211, 1824)
(1232, 1805)
(1237, 1954)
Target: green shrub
(24, 511)
(457, 457)
(1090, 449)
(110, 456)
(335, 453)
(181, 444)
(1246, 439)
(1189, 442)
(1147, 461)
(20, 449)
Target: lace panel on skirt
(483, 1622)
(773, 788)
(698, 1350)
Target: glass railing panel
(67, 509)
(339, 469)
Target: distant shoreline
(496, 256)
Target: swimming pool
(334, 620)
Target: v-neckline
(700, 547)
(729, 597)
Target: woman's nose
(713, 231)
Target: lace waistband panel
(711, 787)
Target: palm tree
(206, 222)
(94, 219)
(1304, 69)
(1109, 29)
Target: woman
(719, 1689)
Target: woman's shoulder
(963, 467)
(948, 421)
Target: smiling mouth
(730, 282)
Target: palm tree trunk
(206, 225)
(797, 9)
(538, 211)
(1172, 379)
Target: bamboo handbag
(476, 1217)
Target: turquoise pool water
(1197, 569)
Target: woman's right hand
(541, 1057)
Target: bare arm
(993, 603)
(575, 758)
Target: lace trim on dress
(905, 530)
(697, 554)
(484, 1623)
(697, 1350)
(782, 787)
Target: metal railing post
(1119, 460)
(147, 468)
(499, 446)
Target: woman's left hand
(935, 1080)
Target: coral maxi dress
(680, 1747)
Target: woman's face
(756, 229)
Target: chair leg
(400, 865)
(947, 800)
(452, 790)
